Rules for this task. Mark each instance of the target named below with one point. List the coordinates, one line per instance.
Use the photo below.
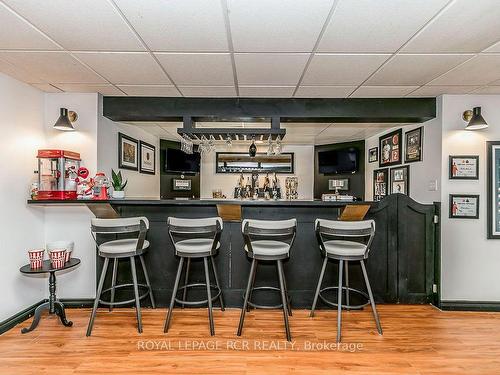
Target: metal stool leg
(174, 293)
(209, 297)
(97, 296)
(318, 288)
(252, 285)
(136, 293)
(247, 295)
(288, 304)
(221, 301)
(146, 276)
(113, 283)
(339, 302)
(284, 299)
(347, 284)
(186, 280)
(370, 294)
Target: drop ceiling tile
(76, 25)
(464, 26)
(415, 69)
(267, 91)
(439, 90)
(153, 129)
(376, 26)
(487, 90)
(275, 26)
(382, 91)
(269, 69)
(204, 69)
(328, 69)
(51, 67)
(303, 129)
(17, 72)
(149, 90)
(46, 87)
(103, 89)
(480, 70)
(495, 48)
(324, 91)
(126, 67)
(216, 91)
(178, 25)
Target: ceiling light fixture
(65, 120)
(475, 120)
(252, 150)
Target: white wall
(21, 228)
(304, 170)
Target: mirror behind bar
(238, 162)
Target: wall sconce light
(475, 119)
(65, 120)
(252, 150)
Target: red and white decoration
(36, 258)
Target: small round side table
(53, 305)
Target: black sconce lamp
(475, 120)
(65, 120)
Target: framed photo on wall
(464, 167)
(493, 189)
(128, 152)
(400, 180)
(373, 155)
(147, 159)
(464, 206)
(380, 182)
(413, 145)
(390, 148)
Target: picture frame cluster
(136, 155)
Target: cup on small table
(36, 258)
(57, 258)
(61, 245)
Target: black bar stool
(267, 240)
(195, 239)
(129, 248)
(333, 245)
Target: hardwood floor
(416, 340)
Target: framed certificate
(493, 189)
(464, 206)
(464, 167)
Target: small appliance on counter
(57, 174)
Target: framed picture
(464, 167)
(390, 148)
(147, 160)
(373, 155)
(413, 145)
(380, 182)
(493, 189)
(464, 206)
(128, 155)
(400, 180)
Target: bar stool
(195, 239)
(267, 240)
(129, 248)
(333, 245)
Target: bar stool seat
(124, 248)
(344, 248)
(269, 247)
(195, 245)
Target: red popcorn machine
(57, 174)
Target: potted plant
(118, 185)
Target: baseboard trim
(20, 317)
(470, 306)
(77, 302)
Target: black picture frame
(417, 148)
(126, 164)
(451, 208)
(388, 143)
(151, 148)
(373, 155)
(380, 185)
(405, 170)
(451, 163)
(493, 184)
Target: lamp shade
(477, 121)
(63, 122)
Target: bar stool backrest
(275, 230)
(184, 229)
(121, 226)
(357, 231)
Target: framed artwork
(380, 184)
(390, 148)
(413, 145)
(128, 155)
(493, 189)
(147, 160)
(464, 167)
(464, 206)
(373, 155)
(400, 180)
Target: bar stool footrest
(349, 307)
(119, 303)
(199, 302)
(261, 288)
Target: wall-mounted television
(177, 161)
(338, 161)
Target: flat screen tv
(177, 161)
(338, 161)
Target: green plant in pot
(118, 185)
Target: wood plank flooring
(416, 340)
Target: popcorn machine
(57, 174)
